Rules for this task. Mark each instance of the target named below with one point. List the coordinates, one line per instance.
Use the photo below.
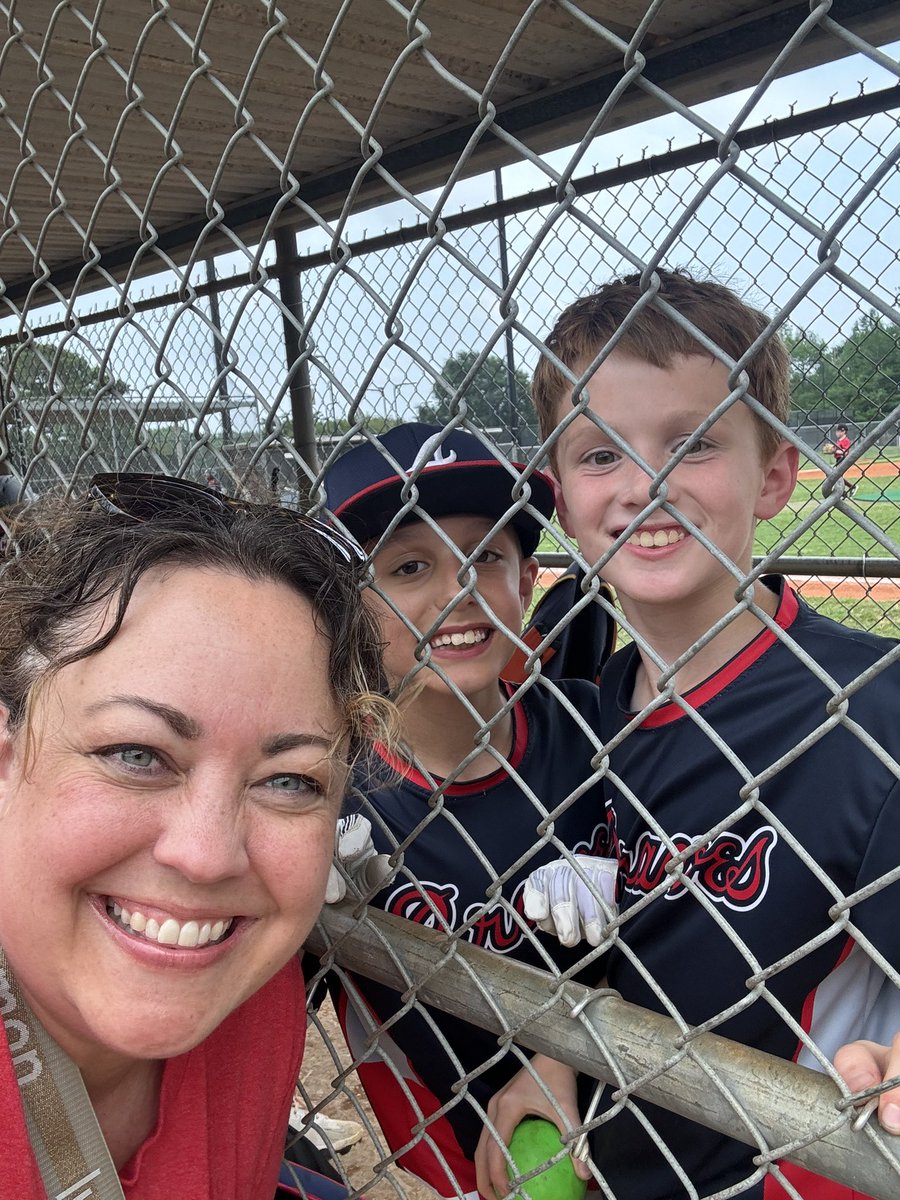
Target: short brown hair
(585, 327)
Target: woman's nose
(203, 835)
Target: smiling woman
(184, 683)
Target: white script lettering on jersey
(730, 869)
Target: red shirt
(223, 1108)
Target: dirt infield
(812, 587)
(360, 1162)
(815, 587)
(879, 468)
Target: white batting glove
(355, 857)
(559, 900)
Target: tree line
(857, 377)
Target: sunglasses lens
(147, 496)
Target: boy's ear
(562, 512)
(527, 579)
(779, 481)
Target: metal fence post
(300, 386)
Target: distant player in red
(842, 444)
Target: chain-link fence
(236, 244)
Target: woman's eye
(294, 786)
(133, 758)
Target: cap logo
(432, 454)
(441, 458)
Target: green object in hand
(535, 1141)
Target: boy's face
(418, 571)
(722, 486)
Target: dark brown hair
(67, 559)
(585, 327)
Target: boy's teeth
(656, 537)
(470, 638)
(171, 932)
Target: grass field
(834, 535)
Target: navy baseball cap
(455, 474)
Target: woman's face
(165, 848)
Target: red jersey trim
(809, 1004)
(469, 786)
(808, 1185)
(788, 607)
(514, 671)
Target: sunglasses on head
(144, 497)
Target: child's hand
(562, 897)
(355, 857)
(866, 1064)
(523, 1097)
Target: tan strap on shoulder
(65, 1135)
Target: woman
(184, 682)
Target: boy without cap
(663, 469)
(486, 763)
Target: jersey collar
(702, 693)
(467, 787)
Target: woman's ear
(7, 753)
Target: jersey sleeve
(875, 915)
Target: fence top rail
(620, 1043)
(881, 567)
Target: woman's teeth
(658, 537)
(470, 638)
(171, 932)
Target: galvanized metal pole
(794, 1110)
(511, 394)
(300, 386)
(218, 353)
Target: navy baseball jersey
(482, 830)
(754, 891)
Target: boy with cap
(487, 763)
(753, 779)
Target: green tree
(813, 374)
(33, 373)
(868, 369)
(37, 374)
(486, 395)
(857, 378)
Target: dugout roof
(132, 130)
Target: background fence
(239, 238)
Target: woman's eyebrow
(290, 741)
(189, 729)
(180, 723)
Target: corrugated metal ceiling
(130, 123)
